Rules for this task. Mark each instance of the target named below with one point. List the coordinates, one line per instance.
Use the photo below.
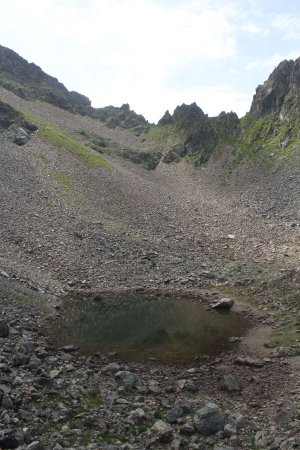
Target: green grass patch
(44, 159)
(288, 334)
(161, 133)
(63, 140)
(62, 179)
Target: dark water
(139, 327)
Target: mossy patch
(63, 140)
(162, 133)
(63, 179)
(288, 334)
(271, 138)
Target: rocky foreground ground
(55, 398)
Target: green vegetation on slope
(270, 137)
(62, 140)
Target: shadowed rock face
(200, 134)
(30, 82)
(280, 93)
(18, 129)
(7, 116)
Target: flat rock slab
(245, 361)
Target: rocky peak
(186, 116)
(280, 94)
(166, 118)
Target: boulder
(209, 419)
(174, 414)
(128, 379)
(282, 352)
(163, 431)
(18, 135)
(223, 303)
(4, 329)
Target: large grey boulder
(223, 303)
(209, 419)
(18, 135)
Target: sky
(156, 54)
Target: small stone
(181, 383)
(36, 445)
(4, 329)
(137, 415)
(282, 352)
(187, 429)
(231, 384)
(6, 402)
(69, 348)
(174, 414)
(53, 374)
(209, 419)
(270, 344)
(285, 414)
(154, 387)
(128, 379)
(163, 430)
(112, 367)
(220, 447)
(229, 430)
(245, 361)
(238, 420)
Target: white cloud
(255, 29)
(117, 51)
(288, 24)
(269, 64)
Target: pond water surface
(139, 327)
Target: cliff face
(280, 94)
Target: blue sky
(156, 54)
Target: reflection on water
(139, 327)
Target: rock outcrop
(18, 129)
(199, 134)
(280, 94)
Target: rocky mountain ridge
(29, 81)
(269, 132)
